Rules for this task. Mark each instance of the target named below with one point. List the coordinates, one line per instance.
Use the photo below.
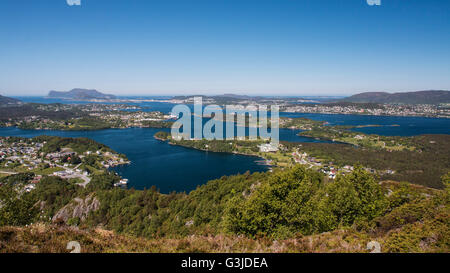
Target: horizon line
(250, 94)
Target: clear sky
(285, 47)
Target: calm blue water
(170, 168)
(174, 168)
(408, 126)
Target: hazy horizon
(162, 94)
(122, 94)
(266, 47)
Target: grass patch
(49, 171)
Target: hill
(290, 210)
(415, 220)
(226, 99)
(418, 97)
(5, 101)
(80, 94)
(18, 112)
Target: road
(85, 178)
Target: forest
(32, 109)
(282, 205)
(424, 166)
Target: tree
(276, 207)
(103, 181)
(356, 197)
(16, 209)
(297, 201)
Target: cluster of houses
(57, 156)
(268, 148)
(329, 170)
(122, 183)
(32, 185)
(387, 109)
(332, 171)
(132, 119)
(26, 154)
(112, 160)
(303, 158)
(96, 107)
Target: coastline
(174, 101)
(205, 150)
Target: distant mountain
(418, 97)
(5, 101)
(80, 94)
(233, 96)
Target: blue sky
(284, 47)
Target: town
(423, 110)
(19, 155)
(298, 105)
(82, 117)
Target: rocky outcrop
(78, 208)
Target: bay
(390, 125)
(169, 168)
(174, 168)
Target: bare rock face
(78, 208)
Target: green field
(48, 171)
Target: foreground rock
(78, 208)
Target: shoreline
(204, 150)
(174, 102)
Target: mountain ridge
(414, 97)
(5, 101)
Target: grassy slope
(54, 239)
(415, 237)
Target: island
(418, 159)
(79, 117)
(80, 94)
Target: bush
(75, 221)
